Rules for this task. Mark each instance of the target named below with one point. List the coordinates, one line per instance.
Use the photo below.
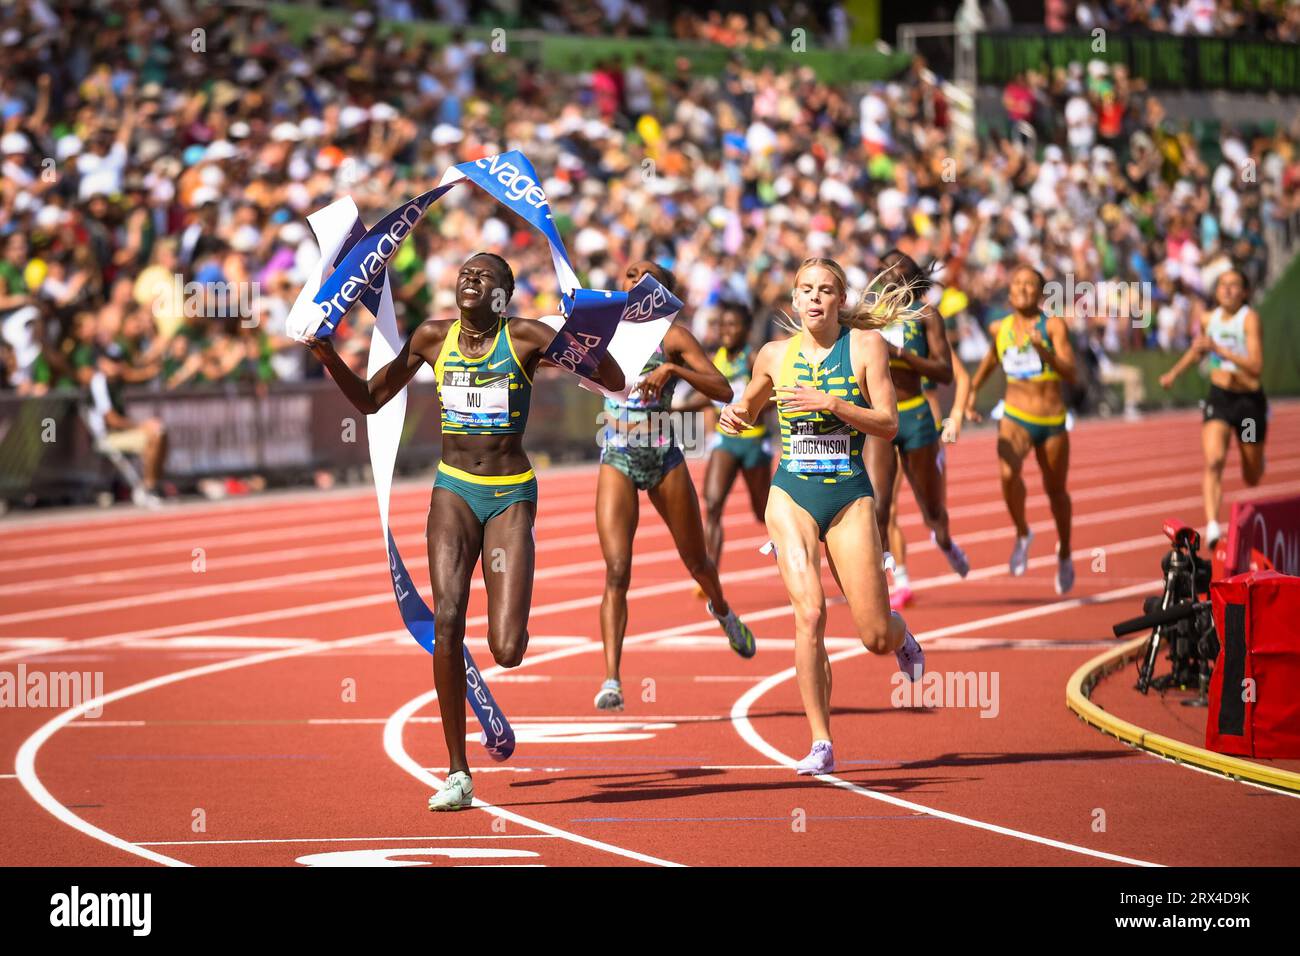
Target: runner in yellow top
(1034, 351)
(918, 349)
(747, 454)
(484, 498)
(833, 390)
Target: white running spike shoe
(957, 559)
(1020, 555)
(1064, 575)
(610, 696)
(910, 657)
(456, 794)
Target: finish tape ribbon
(354, 268)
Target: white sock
(900, 577)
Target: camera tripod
(1181, 617)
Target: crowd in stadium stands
(1269, 19)
(733, 24)
(153, 202)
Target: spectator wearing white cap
(1081, 124)
(1051, 171)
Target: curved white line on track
(25, 762)
(397, 753)
(26, 758)
(740, 718)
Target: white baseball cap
(220, 149)
(293, 233)
(69, 145)
(444, 134)
(50, 217)
(245, 239)
(203, 195)
(351, 116)
(285, 133)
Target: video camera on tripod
(1182, 617)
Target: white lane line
(629, 768)
(396, 751)
(394, 747)
(277, 525)
(173, 595)
(25, 761)
(15, 524)
(167, 538)
(183, 557)
(727, 678)
(736, 514)
(740, 719)
(305, 578)
(32, 745)
(1217, 775)
(384, 839)
(205, 518)
(386, 597)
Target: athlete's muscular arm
(1194, 353)
(535, 336)
(370, 396)
(692, 366)
(1061, 357)
(986, 367)
(937, 366)
(871, 369)
(743, 414)
(1252, 363)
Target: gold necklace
(474, 334)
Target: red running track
(263, 706)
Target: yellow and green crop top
(488, 395)
(1020, 360)
(909, 335)
(817, 444)
(737, 372)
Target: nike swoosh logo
(495, 380)
(498, 494)
(501, 362)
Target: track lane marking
(666, 555)
(740, 719)
(77, 544)
(386, 839)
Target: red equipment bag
(1255, 689)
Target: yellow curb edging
(1080, 686)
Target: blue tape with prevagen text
(498, 738)
(360, 274)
